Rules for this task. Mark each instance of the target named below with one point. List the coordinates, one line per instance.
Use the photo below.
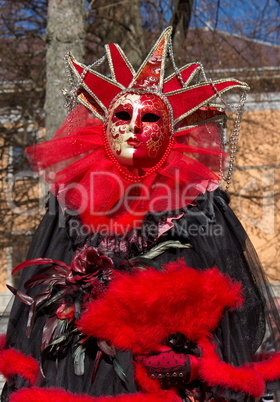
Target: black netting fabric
(216, 237)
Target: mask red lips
(133, 142)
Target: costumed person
(140, 283)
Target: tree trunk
(65, 32)
(121, 22)
(180, 22)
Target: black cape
(217, 238)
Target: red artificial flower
(89, 267)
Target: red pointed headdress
(183, 89)
(85, 175)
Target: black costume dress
(216, 238)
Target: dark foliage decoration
(66, 290)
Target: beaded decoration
(129, 176)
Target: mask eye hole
(123, 115)
(150, 118)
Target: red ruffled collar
(85, 179)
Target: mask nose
(135, 125)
